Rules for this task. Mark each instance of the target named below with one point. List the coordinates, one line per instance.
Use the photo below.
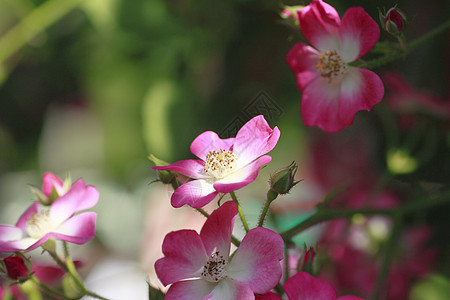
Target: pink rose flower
(333, 91)
(199, 266)
(37, 224)
(225, 165)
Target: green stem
(241, 213)
(203, 212)
(48, 290)
(399, 52)
(75, 276)
(387, 256)
(34, 23)
(270, 197)
(324, 214)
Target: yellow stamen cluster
(220, 163)
(331, 65)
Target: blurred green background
(94, 86)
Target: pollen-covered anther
(215, 268)
(39, 224)
(220, 163)
(330, 65)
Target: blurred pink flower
(225, 165)
(37, 224)
(198, 265)
(333, 91)
(407, 101)
(305, 286)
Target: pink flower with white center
(199, 265)
(333, 91)
(39, 224)
(225, 165)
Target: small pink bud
(308, 259)
(394, 21)
(51, 182)
(15, 267)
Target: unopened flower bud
(307, 260)
(52, 188)
(282, 180)
(394, 21)
(289, 13)
(166, 177)
(15, 267)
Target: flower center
(331, 65)
(215, 268)
(39, 224)
(220, 163)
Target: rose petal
(22, 222)
(79, 197)
(78, 229)
(192, 168)
(361, 89)
(195, 193)
(9, 234)
(320, 24)
(359, 34)
(189, 289)
(216, 232)
(209, 141)
(257, 260)
(320, 103)
(306, 287)
(227, 289)
(254, 139)
(184, 257)
(241, 177)
(302, 60)
(268, 296)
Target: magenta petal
(320, 24)
(302, 60)
(193, 168)
(349, 297)
(189, 289)
(195, 193)
(257, 260)
(216, 232)
(268, 296)
(22, 222)
(78, 229)
(320, 105)
(209, 141)
(304, 286)
(359, 34)
(254, 139)
(79, 197)
(241, 177)
(184, 256)
(361, 89)
(9, 234)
